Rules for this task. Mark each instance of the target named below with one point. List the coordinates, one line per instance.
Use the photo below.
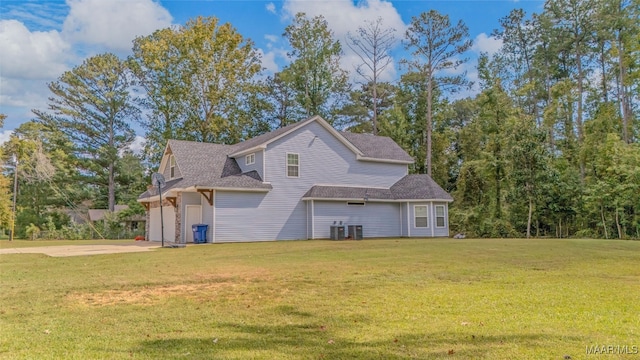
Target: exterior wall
(239, 217)
(188, 198)
(166, 172)
(432, 230)
(257, 166)
(280, 213)
(208, 216)
(170, 223)
(377, 219)
(420, 231)
(404, 220)
(441, 231)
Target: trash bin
(355, 231)
(199, 233)
(337, 232)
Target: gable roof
(206, 165)
(366, 147)
(375, 147)
(260, 142)
(410, 187)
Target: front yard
(371, 299)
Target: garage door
(155, 229)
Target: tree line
(546, 146)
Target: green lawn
(372, 299)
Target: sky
(40, 39)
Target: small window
(250, 159)
(293, 165)
(440, 213)
(172, 167)
(421, 219)
(355, 203)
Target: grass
(372, 299)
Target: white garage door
(155, 229)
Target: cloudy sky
(39, 40)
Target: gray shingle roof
(264, 138)
(377, 147)
(372, 146)
(419, 186)
(207, 165)
(410, 187)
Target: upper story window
(250, 159)
(172, 167)
(293, 165)
(440, 213)
(421, 219)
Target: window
(250, 159)
(420, 213)
(440, 216)
(293, 165)
(172, 167)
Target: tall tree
(373, 43)
(573, 19)
(315, 74)
(436, 45)
(92, 105)
(197, 80)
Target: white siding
(155, 228)
(377, 219)
(257, 166)
(281, 214)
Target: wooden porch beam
(208, 194)
(146, 205)
(172, 200)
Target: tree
(197, 79)
(315, 74)
(282, 108)
(372, 44)
(92, 105)
(357, 112)
(435, 45)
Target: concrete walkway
(81, 250)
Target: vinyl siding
(403, 219)
(240, 217)
(432, 230)
(377, 219)
(257, 166)
(281, 214)
(445, 230)
(166, 172)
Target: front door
(193, 215)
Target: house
(293, 183)
(131, 223)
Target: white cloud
(486, 44)
(31, 55)
(137, 146)
(271, 7)
(113, 24)
(272, 38)
(344, 17)
(5, 135)
(268, 61)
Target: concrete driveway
(81, 250)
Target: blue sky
(41, 39)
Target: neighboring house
(294, 183)
(131, 223)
